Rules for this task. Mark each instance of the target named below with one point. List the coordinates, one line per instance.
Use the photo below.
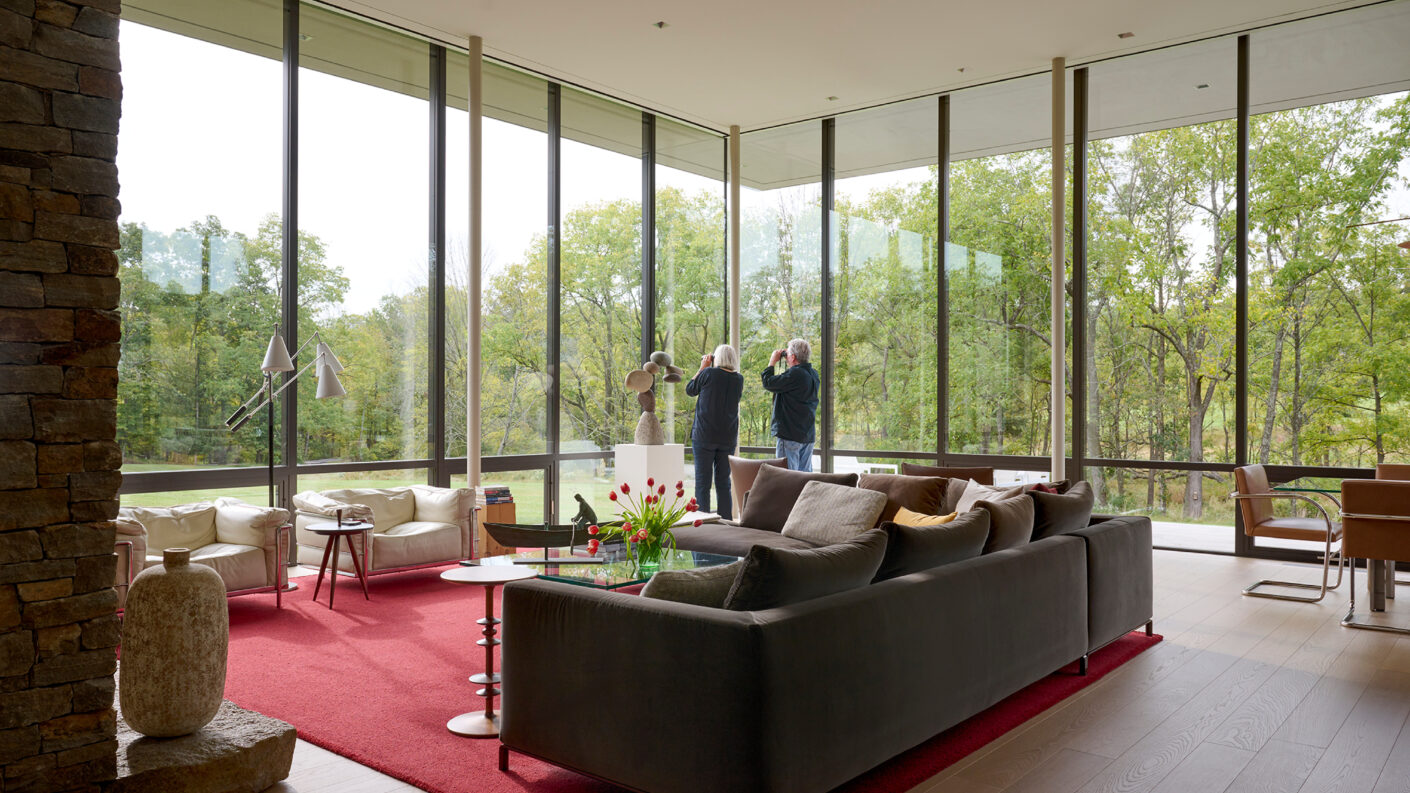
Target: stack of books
(496, 494)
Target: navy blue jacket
(716, 407)
(795, 401)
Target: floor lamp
(326, 367)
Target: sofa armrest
(239, 523)
(454, 505)
(572, 655)
(1120, 577)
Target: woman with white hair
(717, 388)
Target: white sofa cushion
(183, 526)
(390, 507)
(314, 502)
(415, 542)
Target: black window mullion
(1243, 545)
(824, 436)
(289, 305)
(942, 298)
(648, 235)
(436, 326)
(1079, 274)
(555, 294)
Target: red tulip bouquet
(646, 523)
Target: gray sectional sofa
(661, 696)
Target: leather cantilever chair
(1376, 516)
(1255, 499)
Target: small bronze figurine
(585, 517)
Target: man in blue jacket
(795, 404)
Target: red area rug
(376, 681)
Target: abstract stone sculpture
(642, 381)
(175, 633)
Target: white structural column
(472, 364)
(734, 213)
(1059, 295)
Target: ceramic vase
(175, 633)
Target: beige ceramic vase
(174, 637)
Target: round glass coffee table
(484, 723)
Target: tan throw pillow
(703, 586)
(975, 492)
(825, 513)
(905, 517)
(774, 492)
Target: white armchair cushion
(390, 507)
(246, 524)
(241, 566)
(415, 542)
(315, 502)
(440, 504)
(184, 526)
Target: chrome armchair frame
(1374, 568)
(1323, 589)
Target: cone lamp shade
(276, 357)
(328, 383)
(328, 359)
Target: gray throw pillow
(826, 513)
(1010, 522)
(773, 577)
(911, 549)
(703, 586)
(774, 491)
(1059, 513)
(923, 494)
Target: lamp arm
(244, 409)
(310, 340)
(252, 411)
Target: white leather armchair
(412, 526)
(244, 543)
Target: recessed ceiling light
(1128, 34)
(961, 70)
(305, 37)
(832, 99)
(660, 25)
(1202, 86)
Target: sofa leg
(1082, 666)
(1150, 627)
(503, 757)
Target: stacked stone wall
(60, 96)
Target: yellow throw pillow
(906, 517)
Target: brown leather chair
(1395, 472)
(1375, 515)
(1255, 497)
(984, 476)
(742, 472)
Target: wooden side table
(484, 723)
(344, 532)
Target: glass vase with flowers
(645, 528)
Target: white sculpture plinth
(664, 463)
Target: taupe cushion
(704, 586)
(924, 494)
(975, 492)
(1059, 513)
(910, 549)
(774, 491)
(1010, 522)
(773, 577)
(742, 472)
(731, 540)
(825, 513)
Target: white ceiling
(758, 63)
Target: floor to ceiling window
(998, 268)
(691, 300)
(1162, 286)
(200, 226)
(780, 259)
(884, 283)
(363, 220)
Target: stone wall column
(59, 330)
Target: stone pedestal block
(239, 751)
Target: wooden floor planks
(1245, 695)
